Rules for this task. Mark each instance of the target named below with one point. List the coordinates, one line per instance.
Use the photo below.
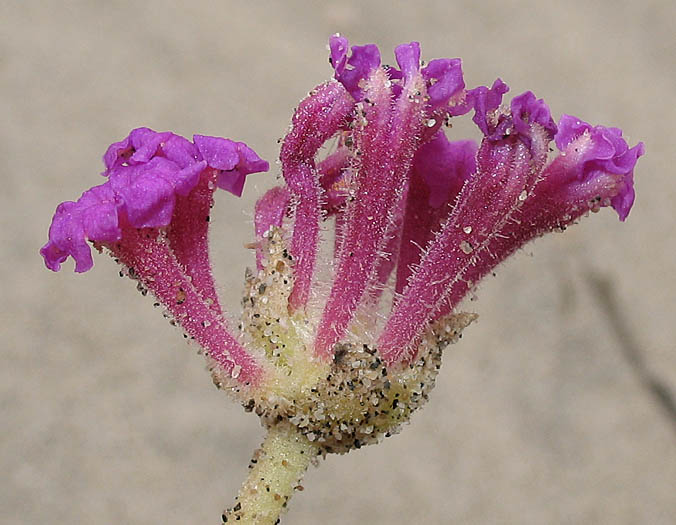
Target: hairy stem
(275, 472)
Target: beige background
(544, 413)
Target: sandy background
(552, 409)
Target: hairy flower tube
(338, 345)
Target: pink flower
(415, 215)
(152, 214)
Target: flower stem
(275, 472)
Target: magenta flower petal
(485, 102)
(186, 179)
(98, 208)
(181, 151)
(445, 166)
(232, 182)
(147, 191)
(234, 160)
(445, 81)
(408, 58)
(248, 162)
(93, 216)
(219, 153)
(355, 67)
(593, 153)
(117, 152)
(138, 147)
(609, 152)
(570, 128)
(527, 110)
(146, 143)
(624, 200)
(440, 170)
(338, 52)
(67, 238)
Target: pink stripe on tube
(318, 118)
(440, 169)
(152, 262)
(485, 204)
(384, 145)
(270, 211)
(188, 236)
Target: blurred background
(554, 407)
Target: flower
(152, 214)
(337, 349)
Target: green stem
(275, 472)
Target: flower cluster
(344, 350)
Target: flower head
(344, 350)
